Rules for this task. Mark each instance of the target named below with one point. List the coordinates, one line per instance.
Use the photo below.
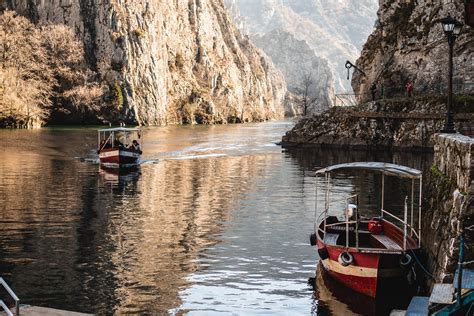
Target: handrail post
(347, 223)
(316, 204)
(405, 225)
(5, 308)
(383, 192)
(357, 221)
(412, 200)
(460, 264)
(12, 294)
(419, 212)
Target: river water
(214, 222)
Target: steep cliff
(409, 44)
(177, 61)
(335, 30)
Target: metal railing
(390, 92)
(13, 295)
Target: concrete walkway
(43, 311)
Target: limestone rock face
(297, 61)
(177, 61)
(405, 123)
(409, 44)
(335, 30)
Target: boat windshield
(119, 137)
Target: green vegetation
(445, 184)
(463, 103)
(117, 95)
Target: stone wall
(449, 197)
(454, 156)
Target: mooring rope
(421, 266)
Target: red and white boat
(119, 147)
(364, 253)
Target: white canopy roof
(119, 129)
(385, 168)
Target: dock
(27, 310)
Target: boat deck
(389, 240)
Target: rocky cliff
(409, 44)
(177, 61)
(335, 30)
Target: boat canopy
(119, 129)
(385, 168)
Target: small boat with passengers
(119, 147)
(362, 253)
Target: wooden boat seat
(331, 239)
(387, 242)
(351, 229)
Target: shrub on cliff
(43, 72)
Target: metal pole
(449, 125)
(316, 205)
(411, 210)
(383, 193)
(326, 204)
(357, 221)
(460, 261)
(347, 223)
(405, 225)
(419, 212)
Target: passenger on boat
(352, 213)
(136, 146)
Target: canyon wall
(409, 44)
(170, 62)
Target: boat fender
(323, 253)
(345, 259)
(406, 260)
(312, 239)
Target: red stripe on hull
(367, 286)
(119, 157)
(119, 160)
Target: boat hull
(118, 158)
(367, 271)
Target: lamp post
(451, 28)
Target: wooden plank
(387, 242)
(331, 239)
(467, 281)
(442, 294)
(418, 306)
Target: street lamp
(451, 28)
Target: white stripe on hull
(335, 266)
(121, 153)
(356, 271)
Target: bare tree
(306, 99)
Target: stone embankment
(449, 209)
(402, 123)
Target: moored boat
(119, 147)
(364, 253)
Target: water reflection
(219, 225)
